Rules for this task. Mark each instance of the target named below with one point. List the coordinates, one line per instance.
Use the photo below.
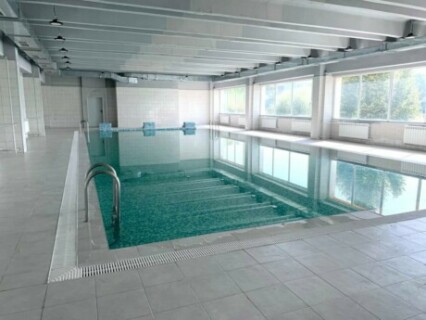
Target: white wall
(62, 102)
(168, 107)
(34, 105)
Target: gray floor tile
(407, 266)
(161, 274)
(14, 281)
(384, 305)
(76, 310)
(419, 256)
(323, 241)
(297, 248)
(349, 257)
(319, 262)
(412, 291)
(235, 260)
(303, 314)
(419, 317)
(199, 267)
(380, 273)
(313, 290)
(126, 305)
(23, 299)
(193, 312)
(397, 229)
(377, 251)
(117, 282)
(288, 269)
(349, 237)
(251, 278)
(69, 291)
(275, 300)
(343, 308)
(348, 281)
(170, 296)
(236, 307)
(415, 224)
(26, 315)
(267, 253)
(419, 238)
(214, 286)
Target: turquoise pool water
(177, 184)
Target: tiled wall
(34, 105)
(166, 107)
(62, 103)
(11, 137)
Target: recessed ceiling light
(59, 38)
(55, 22)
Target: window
(233, 100)
(232, 151)
(373, 189)
(285, 165)
(292, 98)
(389, 96)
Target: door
(94, 111)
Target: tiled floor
(369, 273)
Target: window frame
(337, 95)
(220, 93)
(277, 82)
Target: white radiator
(354, 130)
(415, 135)
(242, 121)
(301, 125)
(270, 123)
(224, 119)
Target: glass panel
(233, 100)
(349, 97)
(400, 193)
(223, 148)
(406, 104)
(281, 164)
(302, 98)
(266, 158)
(240, 153)
(283, 98)
(368, 188)
(375, 96)
(231, 150)
(344, 181)
(422, 202)
(268, 99)
(299, 169)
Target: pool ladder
(110, 171)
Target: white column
(322, 104)
(249, 104)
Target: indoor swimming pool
(178, 184)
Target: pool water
(179, 184)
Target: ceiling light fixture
(59, 38)
(410, 34)
(65, 57)
(55, 21)
(67, 62)
(63, 50)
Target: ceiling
(206, 37)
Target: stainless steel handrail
(116, 194)
(101, 164)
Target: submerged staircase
(169, 206)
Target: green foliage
(350, 97)
(405, 98)
(375, 96)
(368, 184)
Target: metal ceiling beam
(100, 36)
(137, 58)
(175, 71)
(92, 14)
(291, 15)
(100, 48)
(398, 8)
